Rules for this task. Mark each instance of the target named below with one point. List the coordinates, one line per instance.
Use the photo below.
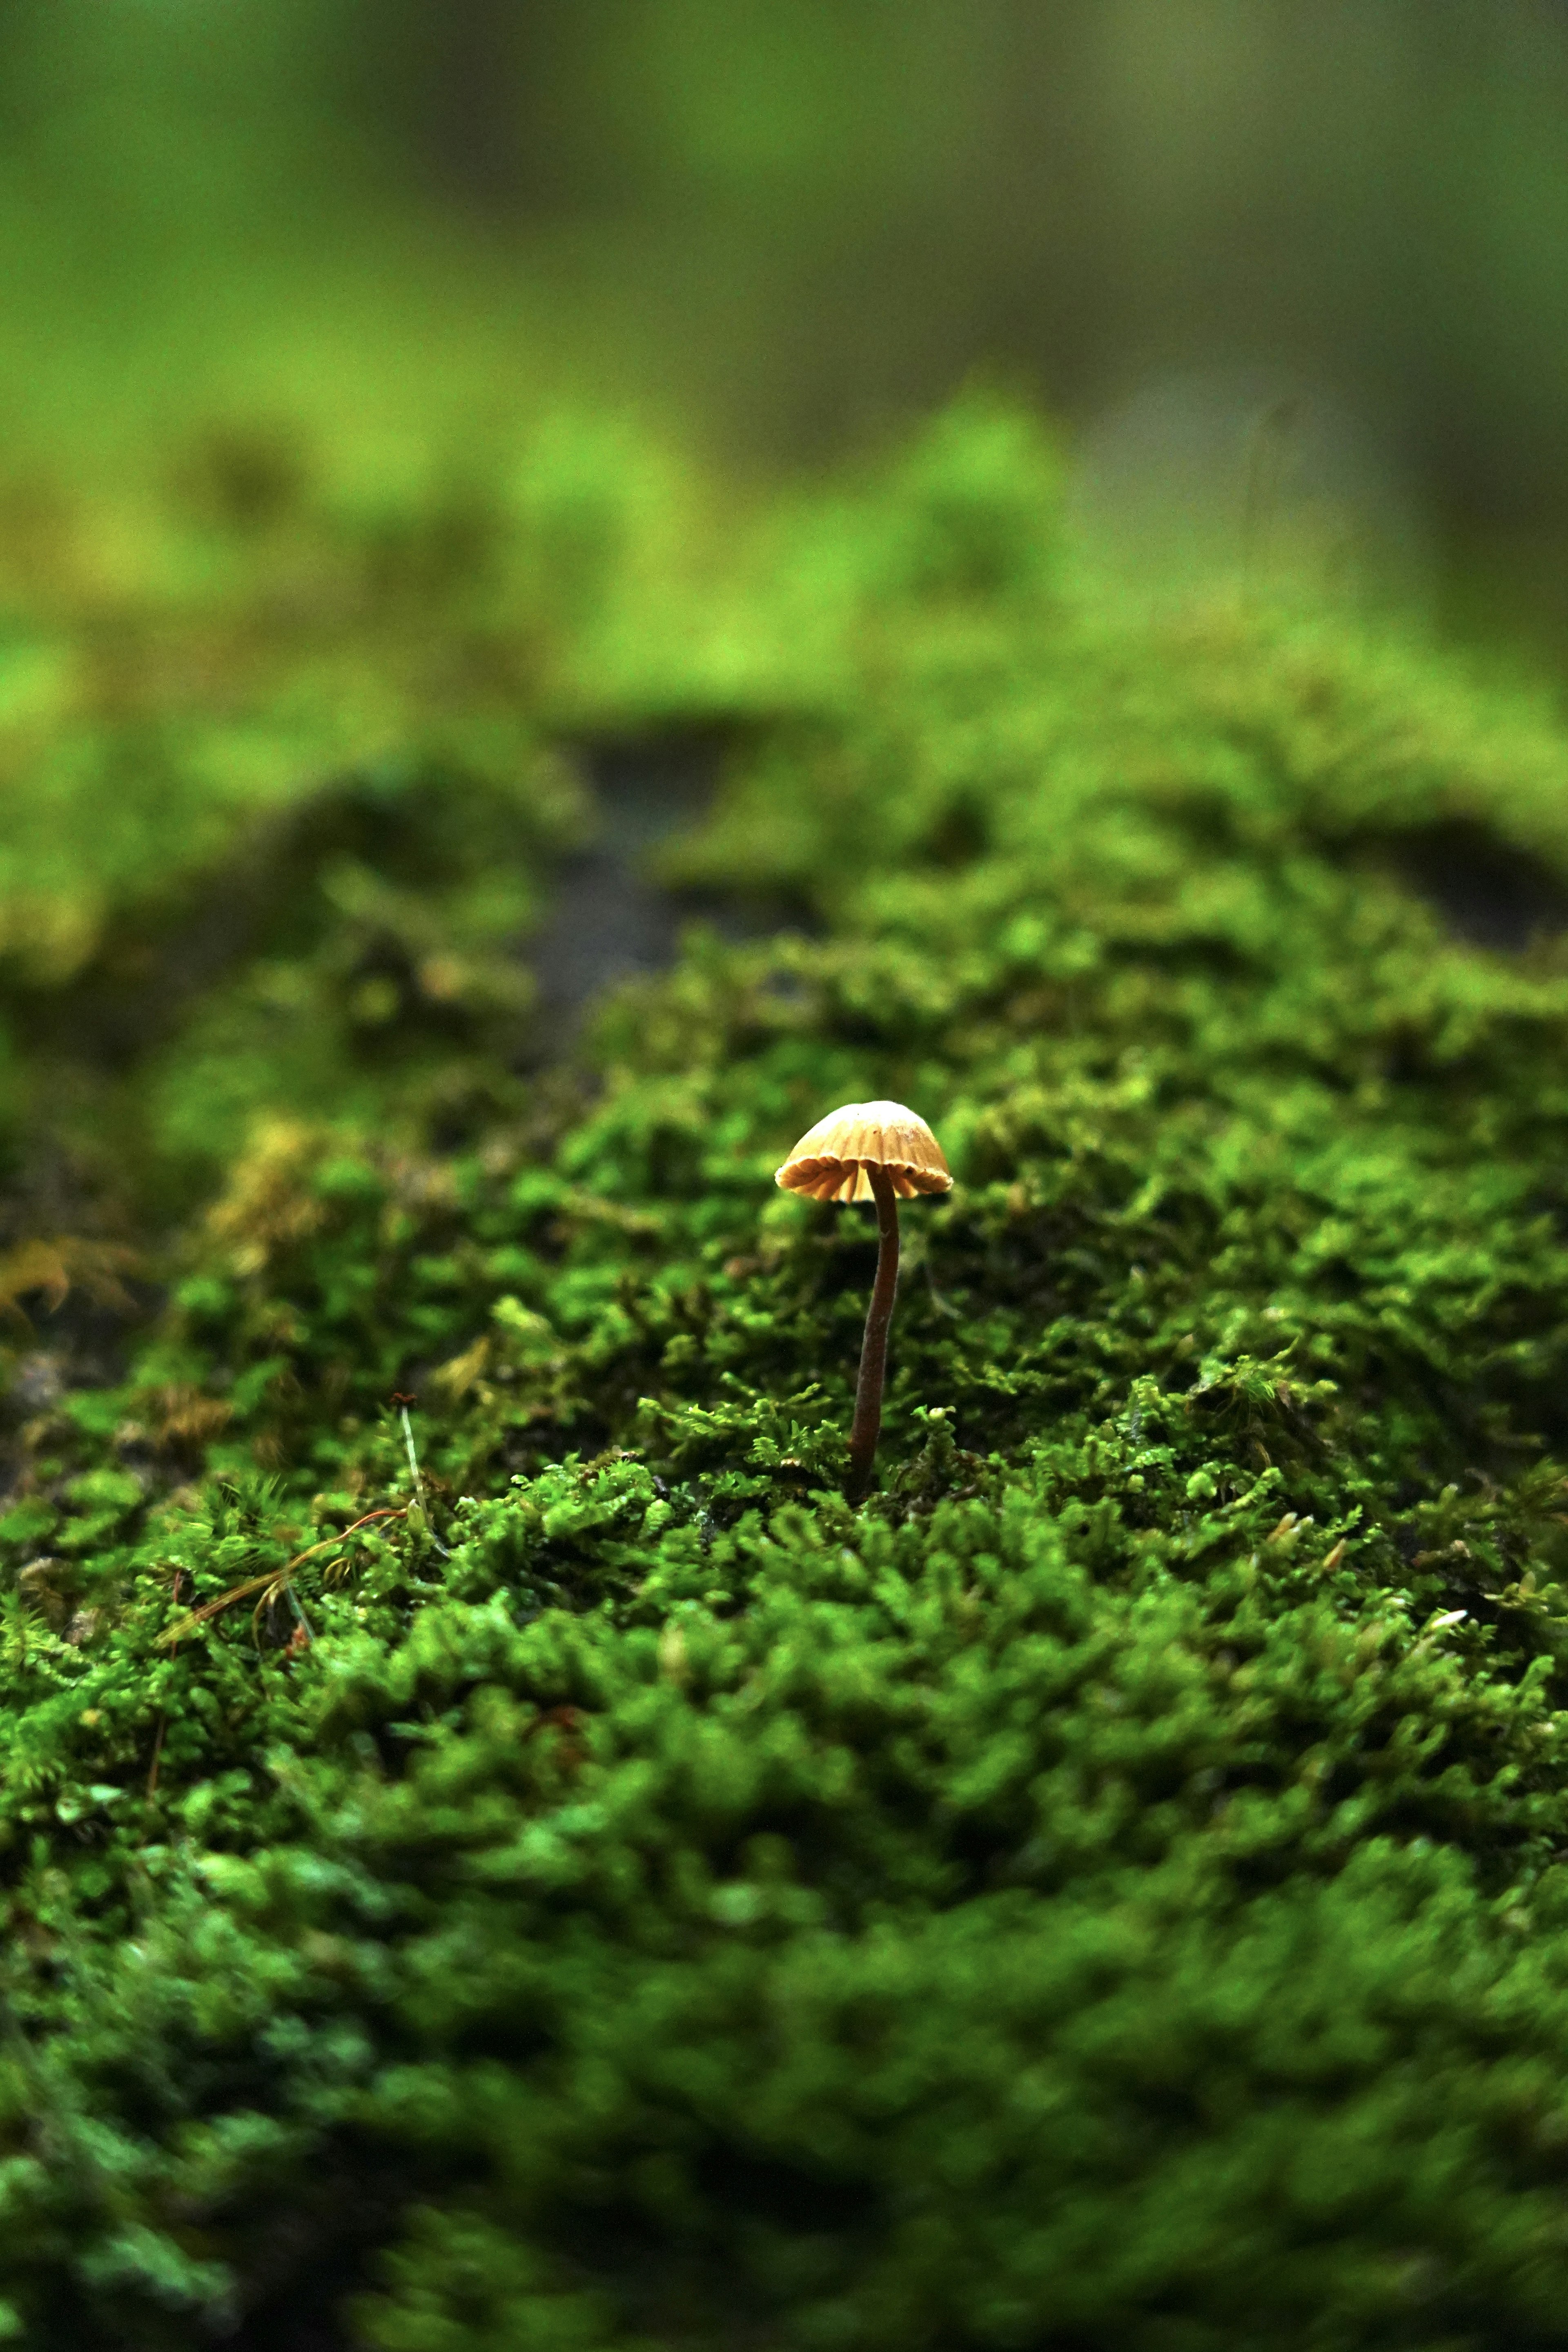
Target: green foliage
(1106, 1892)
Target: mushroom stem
(867, 1426)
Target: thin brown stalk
(273, 1581)
(866, 1425)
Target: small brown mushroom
(870, 1152)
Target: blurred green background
(404, 401)
(786, 224)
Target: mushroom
(869, 1151)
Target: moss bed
(1107, 1892)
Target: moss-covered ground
(1109, 1892)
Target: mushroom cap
(830, 1161)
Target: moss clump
(1109, 1891)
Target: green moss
(1107, 1890)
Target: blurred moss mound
(1107, 1892)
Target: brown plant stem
(866, 1425)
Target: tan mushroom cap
(830, 1161)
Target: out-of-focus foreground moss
(1107, 1892)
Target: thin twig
(278, 1577)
